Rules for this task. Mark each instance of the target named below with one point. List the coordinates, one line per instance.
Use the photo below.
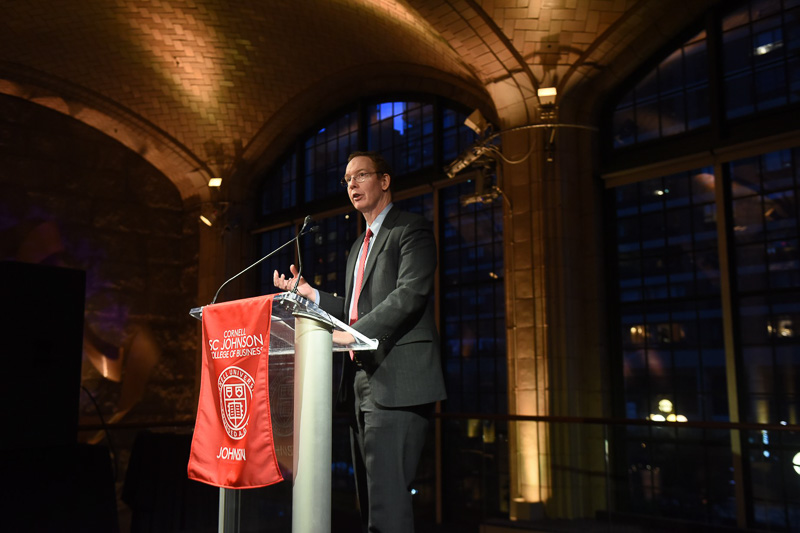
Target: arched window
(707, 267)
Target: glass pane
(736, 50)
(768, 277)
(748, 219)
(703, 184)
(624, 124)
(696, 63)
(648, 87)
(671, 73)
(777, 170)
(325, 252)
(279, 189)
(324, 160)
(756, 68)
(739, 98)
(760, 9)
(771, 87)
(474, 308)
(670, 99)
(746, 179)
(697, 107)
(736, 18)
(751, 267)
(647, 120)
(673, 119)
(667, 217)
(780, 214)
(268, 242)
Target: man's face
(371, 196)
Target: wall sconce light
(215, 182)
(211, 214)
(547, 95)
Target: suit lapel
(351, 269)
(377, 246)
(380, 242)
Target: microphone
(303, 230)
(306, 222)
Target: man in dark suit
(391, 391)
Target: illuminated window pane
(757, 43)
(402, 132)
(325, 157)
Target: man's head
(368, 178)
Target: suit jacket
(395, 307)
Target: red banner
(232, 445)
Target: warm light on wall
(530, 484)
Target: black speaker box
(41, 345)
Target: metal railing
(600, 474)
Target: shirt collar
(378, 222)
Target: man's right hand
(287, 284)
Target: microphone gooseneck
(306, 222)
(303, 230)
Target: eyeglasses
(361, 177)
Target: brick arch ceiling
(191, 84)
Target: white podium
(300, 327)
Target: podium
(302, 328)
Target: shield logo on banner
(235, 391)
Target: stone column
(555, 319)
(527, 328)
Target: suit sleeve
(332, 304)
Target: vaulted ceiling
(206, 88)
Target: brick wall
(75, 197)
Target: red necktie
(362, 261)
